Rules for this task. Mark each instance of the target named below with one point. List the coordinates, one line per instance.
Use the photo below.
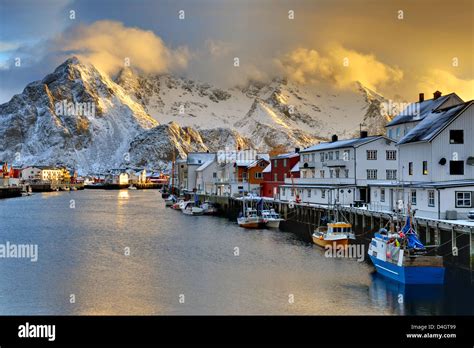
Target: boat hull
(332, 243)
(409, 275)
(273, 223)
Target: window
(456, 167)
(214, 175)
(389, 134)
(456, 136)
(275, 177)
(391, 174)
(410, 168)
(371, 174)
(284, 162)
(346, 173)
(331, 173)
(275, 163)
(262, 164)
(346, 156)
(337, 155)
(337, 173)
(322, 173)
(322, 156)
(309, 193)
(425, 167)
(382, 195)
(463, 199)
(391, 155)
(371, 154)
(323, 193)
(431, 198)
(331, 155)
(413, 197)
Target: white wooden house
(341, 170)
(436, 166)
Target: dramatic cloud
(339, 66)
(108, 44)
(446, 82)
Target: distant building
(193, 162)
(42, 173)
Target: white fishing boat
(190, 208)
(333, 234)
(272, 218)
(251, 219)
(209, 208)
(170, 201)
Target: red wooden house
(280, 167)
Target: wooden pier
(9, 192)
(452, 240)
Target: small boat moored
(190, 208)
(272, 218)
(333, 235)
(251, 219)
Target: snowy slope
(33, 131)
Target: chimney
(436, 95)
(297, 150)
(363, 134)
(422, 97)
(334, 138)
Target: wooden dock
(452, 240)
(10, 192)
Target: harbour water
(122, 252)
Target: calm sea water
(83, 236)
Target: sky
(398, 48)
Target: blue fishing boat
(402, 257)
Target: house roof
(204, 165)
(286, 155)
(433, 123)
(355, 142)
(268, 168)
(198, 158)
(296, 167)
(419, 110)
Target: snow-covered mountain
(141, 120)
(44, 124)
(280, 112)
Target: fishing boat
(209, 208)
(170, 201)
(402, 257)
(190, 208)
(272, 218)
(251, 219)
(334, 234)
(179, 204)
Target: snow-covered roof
(286, 155)
(264, 156)
(198, 158)
(419, 110)
(268, 168)
(355, 142)
(433, 123)
(296, 167)
(204, 165)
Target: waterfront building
(188, 173)
(281, 167)
(340, 171)
(42, 174)
(436, 166)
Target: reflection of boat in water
(402, 257)
(406, 299)
(272, 218)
